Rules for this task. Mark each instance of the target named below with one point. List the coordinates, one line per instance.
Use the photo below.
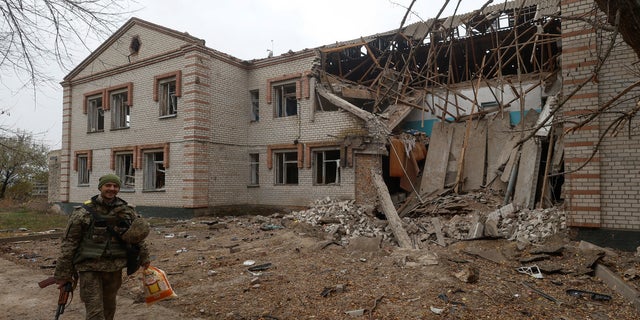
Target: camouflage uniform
(96, 255)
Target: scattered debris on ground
(337, 260)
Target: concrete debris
(467, 275)
(344, 220)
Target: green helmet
(137, 232)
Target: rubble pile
(533, 225)
(344, 220)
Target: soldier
(103, 236)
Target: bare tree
(36, 33)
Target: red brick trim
(577, 33)
(584, 225)
(577, 176)
(156, 81)
(579, 49)
(106, 104)
(583, 192)
(89, 94)
(302, 84)
(582, 64)
(163, 146)
(115, 150)
(584, 208)
(88, 153)
(580, 160)
(271, 148)
(579, 144)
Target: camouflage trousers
(98, 291)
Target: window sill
(97, 131)
(123, 128)
(127, 190)
(153, 190)
(253, 186)
(169, 116)
(83, 185)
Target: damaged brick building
(496, 98)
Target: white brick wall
(211, 137)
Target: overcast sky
(245, 29)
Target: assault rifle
(65, 291)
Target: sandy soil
(234, 268)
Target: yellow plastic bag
(156, 286)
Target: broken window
(135, 44)
(83, 170)
(255, 105)
(120, 116)
(125, 170)
(167, 98)
(95, 114)
(286, 101)
(488, 105)
(327, 166)
(254, 169)
(154, 171)
(286, 167)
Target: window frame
(125, 169)
(286, 161)
(254, 169)
(153, 169)
(159, 82)
(83, 169)
(321, 163)
(119, 106)
(95, 113)
(285, 100)
(254, 96)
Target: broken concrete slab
(475, 156)
(435, 167)
(364, 244)
(527, 180)
(491, 255)
(616, 283)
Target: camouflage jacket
(79, 225)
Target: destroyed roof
(418, 30)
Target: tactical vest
(98, 242)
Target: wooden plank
(336, 100)
(395, 114)
(395, 223)
(475, 158)
(357, 93)
(435, 167)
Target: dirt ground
(274, 268)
